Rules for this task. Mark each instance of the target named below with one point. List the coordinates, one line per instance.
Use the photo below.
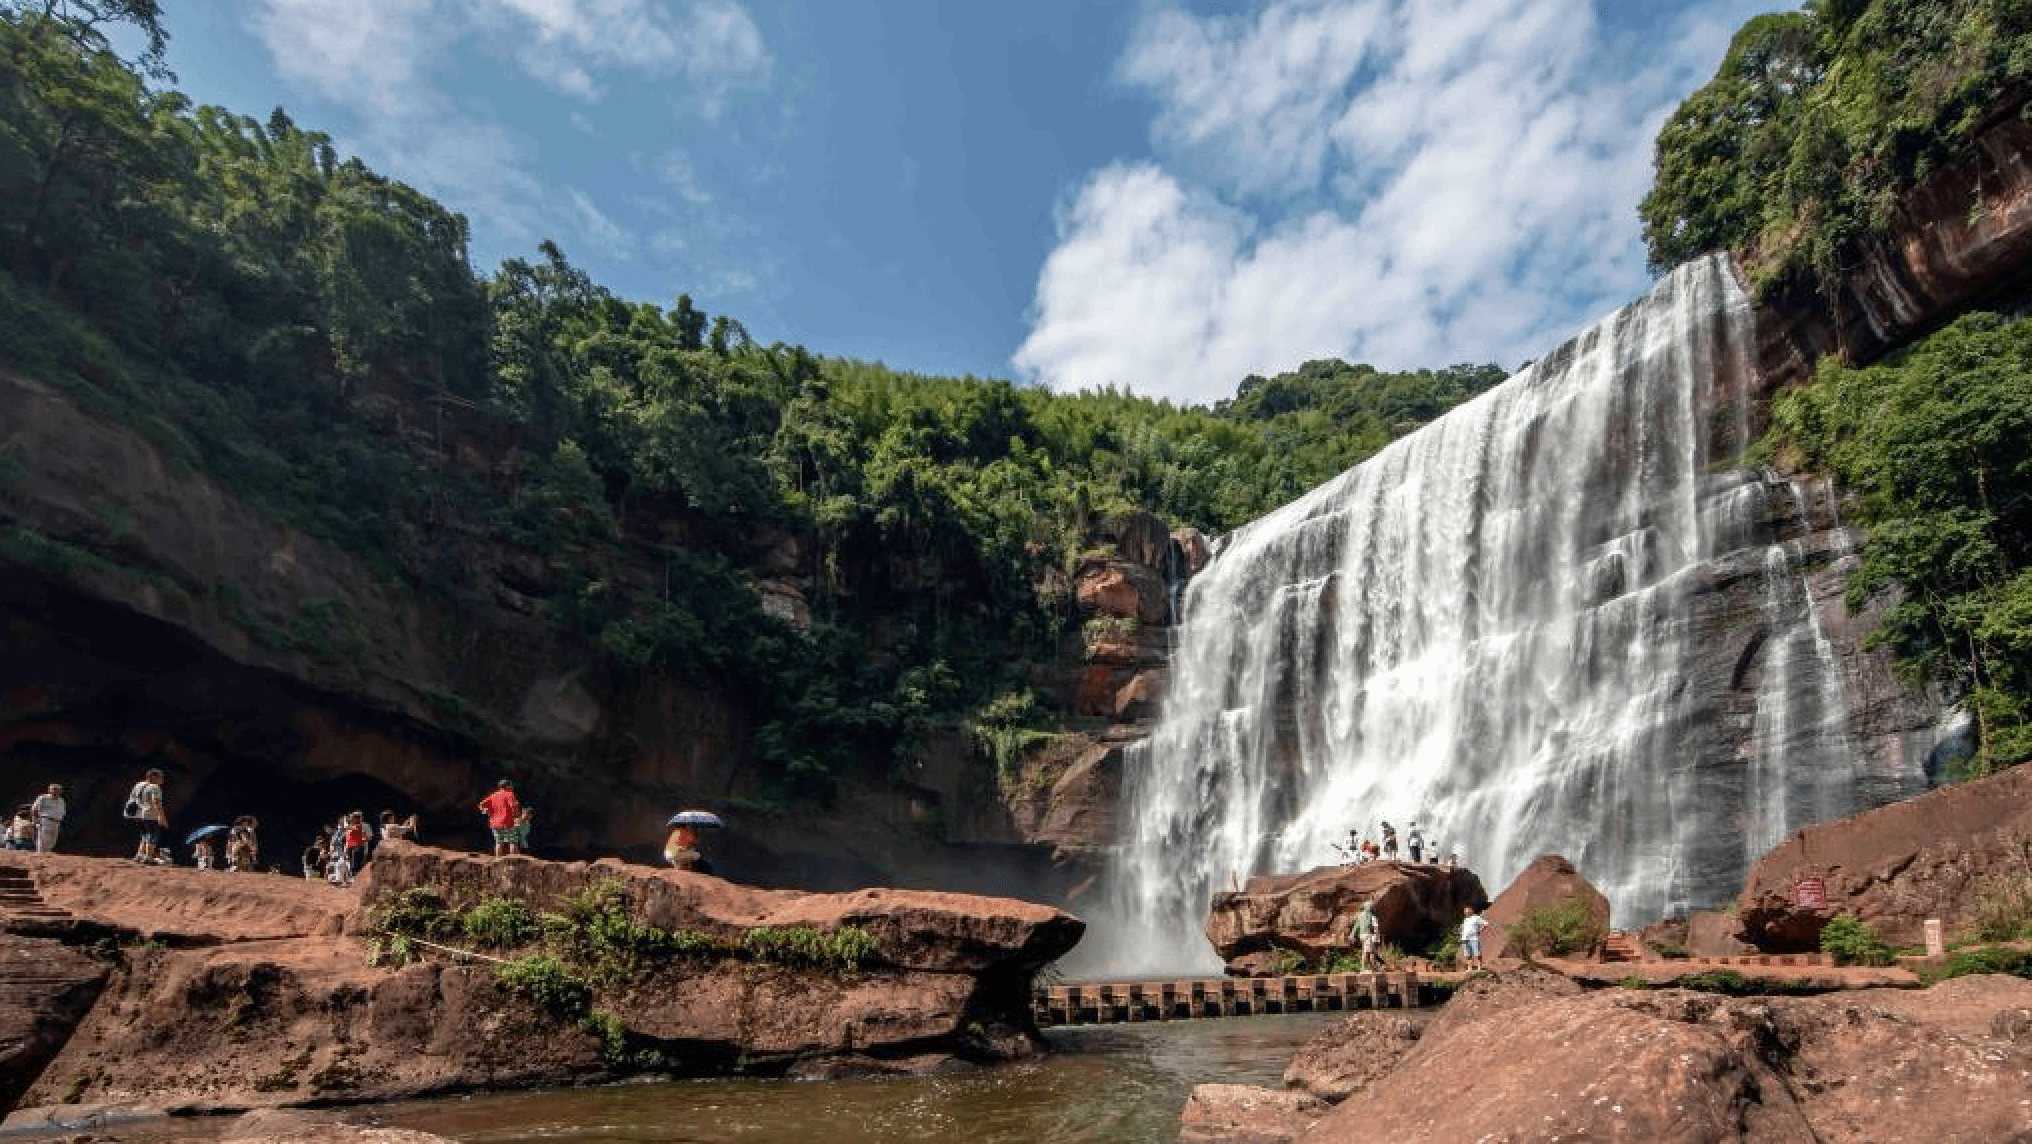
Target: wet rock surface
(1246, 1114)
(1310, 913)
(46, 987)
(1350, 1056)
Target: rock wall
(1960, 239)
(154, 618)
(1895, 866)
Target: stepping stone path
(20, 899)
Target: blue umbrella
(205, 832)
(704, 818)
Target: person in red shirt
(502, 810)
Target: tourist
(243, 847)
(1471, 929)
(340, 870)
(502, 809)
(146, 810)
(49, 811)
(1452, 861)
(682, 852)
(316, 857)
(524, 820)
(391, 828)
(355, 839)
(203, 855)
(1389, 842)
(21, 833)
(1414, 844)
(1367, 936)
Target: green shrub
(2002, 904)
(612, 1033)
(543, 979)
(1286, 963)
(1718, 981)
(1670, 950)
(416, 913)
(1982, 959)
(500, 923)
(597, 933)
(1853, 942)
(846, 949)
(1446, 955)
(1557, 929)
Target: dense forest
(1793, 155)
(256, 303)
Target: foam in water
(1487, 628)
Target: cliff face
(154, 618)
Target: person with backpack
(145, 809)
(1367, 936)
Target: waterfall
(1495, 627)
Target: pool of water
(1117, 1084)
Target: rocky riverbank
(1531, 1055)
(194, 991)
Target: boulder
(913, 929)
(1123, 591)
(1311, 912)
(1894, 866)
(1549, 880)
(1246, 1114)
(1138, 537)
(1679, 1066)
(1350, 1055)
(1713, 933)
(46, 987)
(1665, 934)
(306, 1020)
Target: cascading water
(1488, 628)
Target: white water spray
(1488, 628)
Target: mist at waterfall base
(1487, 629)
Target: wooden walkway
(1102, 1004)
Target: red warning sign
(1810, 893)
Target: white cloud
(564, 43)
(379, 59)
(1404, 182)
(606, 236)
(676, 171)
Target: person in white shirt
(1471, 928)
(49, 811)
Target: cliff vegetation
(313, 334)
(1818, 119)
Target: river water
(1117, 1084)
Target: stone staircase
(1624, 947)
(20, 899)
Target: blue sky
(1165, 196)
